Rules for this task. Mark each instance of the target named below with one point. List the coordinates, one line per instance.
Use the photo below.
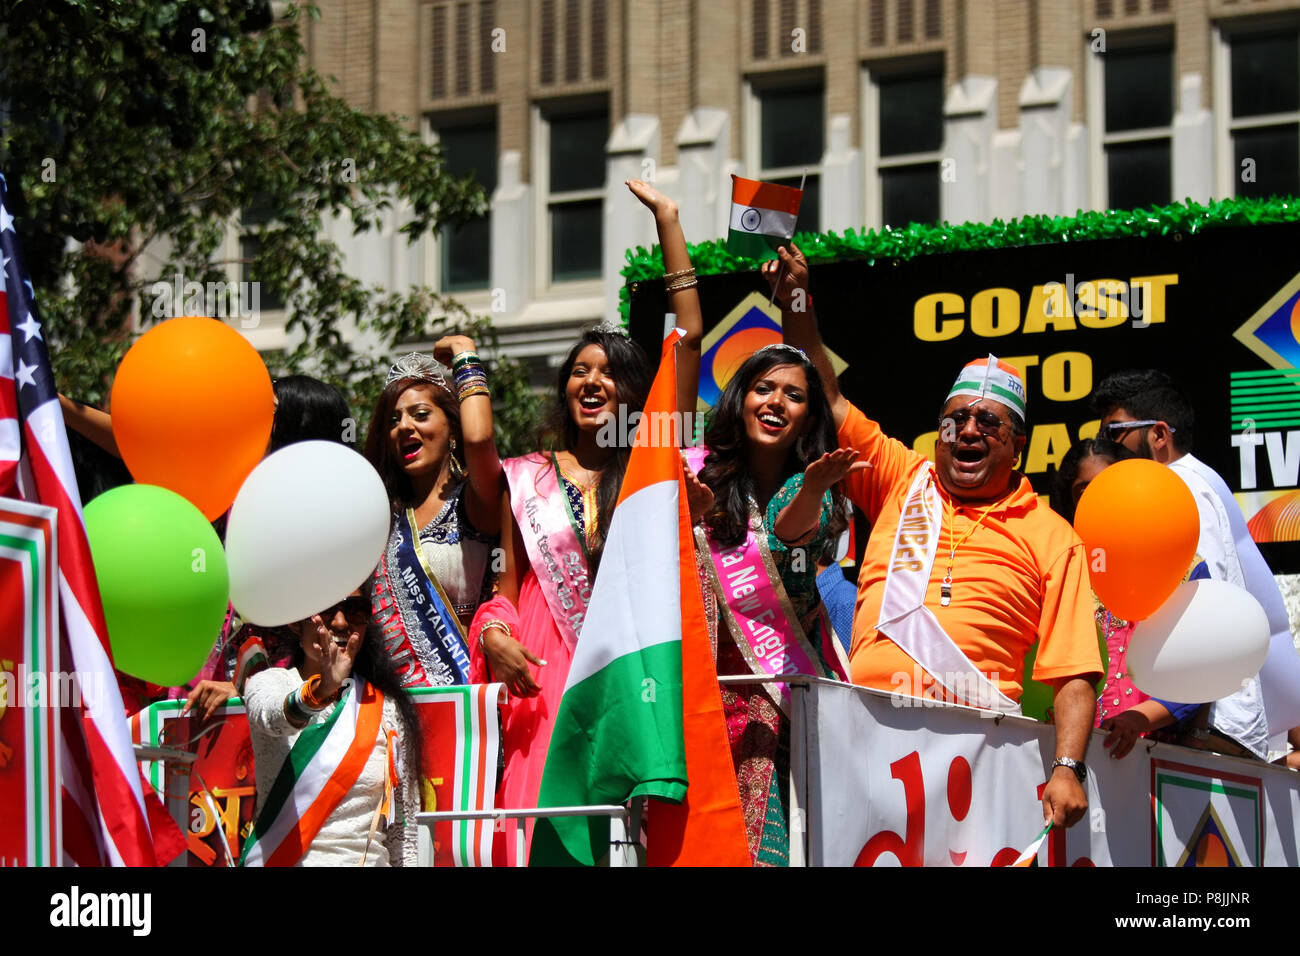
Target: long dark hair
(307, 409)
(630, 369)
(379, 450)
(1061, 494)
(726, 470)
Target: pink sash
(552, 543)
(755, 606)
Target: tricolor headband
(992, 378)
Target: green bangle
(464, 358)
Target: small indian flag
(763, 217)
(1031, 852)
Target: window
(791, 124)
(466, 249)
(250, 246)
(575, 196)
(1138, 104)
(1265, 114)
(910, 138)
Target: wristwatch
(1080, 770)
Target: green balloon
(163, 580)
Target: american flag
(104, 815)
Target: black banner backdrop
(1218, 310)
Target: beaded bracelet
(471, 380)
(467, 372)
(474, 376)
(465, 358)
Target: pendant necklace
(945, 589)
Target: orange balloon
(1139, 526)
(192, 406)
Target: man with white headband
(965, 569)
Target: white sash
(905, 619)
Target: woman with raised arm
(556, 517)
(432, 444)
(766, 508)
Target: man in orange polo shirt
(965, 569)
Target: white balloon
(306, 529)
(1201, 644)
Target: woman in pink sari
(556, 516)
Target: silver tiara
(609, 327)
(785, 348)
(417, 365)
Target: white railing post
(799, 747)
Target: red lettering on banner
(1005, 856)
(910, 850)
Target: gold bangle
(682, 284)
(498, 624)
(688, 271)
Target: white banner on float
(915, 785)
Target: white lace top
(342, 839)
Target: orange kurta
(1021, 576)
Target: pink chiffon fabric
(526, 722)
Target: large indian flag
(620, 731)
(763, 217)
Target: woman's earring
(457, 471)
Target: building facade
(894, 111)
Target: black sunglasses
(985, 421)
(352, 606)
(1114, 431)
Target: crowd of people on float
(963, 573)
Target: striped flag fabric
(470, 716)
(104, 816)
(1030, 853)
(763, 217)
(321, 769)
(624, 728)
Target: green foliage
(138, 132)
(712, 257)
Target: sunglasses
(988, 423)
(354, 606)
(1115, 430)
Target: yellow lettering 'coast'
(1049, 307)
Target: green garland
(712, 257)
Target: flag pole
(802, 179)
